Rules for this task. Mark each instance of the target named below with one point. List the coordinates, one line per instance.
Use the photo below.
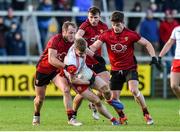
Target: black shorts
(42, 79)
(97, 68)
(118, 78)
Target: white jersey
(176, 36)
(83, 71)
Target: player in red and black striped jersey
(48, 67)
(120, 47)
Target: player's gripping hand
(70, 68)
(100, 59)
(155, 62)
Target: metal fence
(31, 15)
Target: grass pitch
(16, 115)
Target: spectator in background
(166, 28)
(44, 21)
(149, 29)
(133, 22)
(82, 6)
(17, 45)
(173, 5)
(3, 29)
(62, 5)
(153, 6)
(9, 37)
(10, 19)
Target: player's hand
(100, 59)
(91, 81)
(70, 68)
(155, 62)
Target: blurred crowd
(156, 30)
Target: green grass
(16, 115)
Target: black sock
(75, 113)
(121, 114)
(145, 111)
(70, 114)
(36, 114)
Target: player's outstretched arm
(96, 45)
(167, 47)
(151, 51)
(148, 46)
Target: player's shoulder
(55, 39)
(129, 30)
(102, 24)
(177, 28)
(106, 33)
(85, 24)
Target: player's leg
(132, 78)
(87, 94)
(106, 77)
(38, 102)
(102, 72)
(77, 103)
(116, 83)
(41, 80)
(102, 86)
(175, 81)
(62, 83)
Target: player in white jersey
(175, 68)
(82, 77)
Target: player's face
(117, 27)
(94, 19)
(69, 34)
(79, 53)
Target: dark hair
(80, 44)
(67, 24)
(117, 16)
(94, 10)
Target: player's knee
(39, 99)
(106, 92)
(174, 87)
(135, 92)
(66, 91)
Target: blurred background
(26, 26)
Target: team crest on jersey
(118, 48)
(126, 38)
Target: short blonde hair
(67, 24)
(80, 44)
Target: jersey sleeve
(136, 36)
(173, 34)
(83, 26)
